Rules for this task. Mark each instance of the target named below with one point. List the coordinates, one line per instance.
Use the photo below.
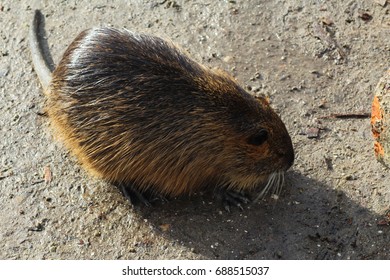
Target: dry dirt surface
(314, 59)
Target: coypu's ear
(263, 99)
(258, 138)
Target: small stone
(4, 72)
(227, 59)
(312, 132)
(53, 248)
(350, 177)
(258, 76)
(38, 227)
(365, 16)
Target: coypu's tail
(39, 61)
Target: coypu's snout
(281, 145)
(290, 158)
(288, 153)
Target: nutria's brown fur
(135, 110)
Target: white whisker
(275, 182)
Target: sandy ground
(312, 58)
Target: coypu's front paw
(233, 198)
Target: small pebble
(312, 132)
(4, 72)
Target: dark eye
(259, 138)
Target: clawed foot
(229, 198)
(233, 198)
(134, 196)
(137, 197)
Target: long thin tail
(40, 64)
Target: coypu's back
(136, 110)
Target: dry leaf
(365, 16)
(165, 227)
(47, 176)
(327, 21)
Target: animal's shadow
(309, 221)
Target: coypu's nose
(287, 158)
(290, 157)
(287, 154)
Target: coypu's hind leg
(137, 197)
(133, 195)
(233, 198)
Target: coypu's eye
(258, 138)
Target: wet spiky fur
(135, 110)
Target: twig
(347, 116)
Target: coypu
(138, 112)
